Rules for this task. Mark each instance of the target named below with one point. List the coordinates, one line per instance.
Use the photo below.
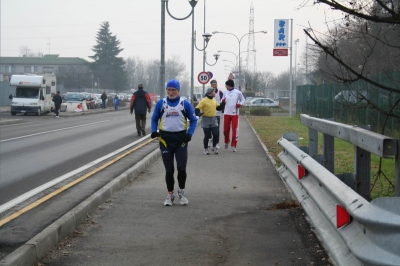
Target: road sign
(280, 52)
(231, 76)
(210, 74)
(203, 77)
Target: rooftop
(49, 59)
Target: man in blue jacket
(170, 117)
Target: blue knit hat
(173, 83)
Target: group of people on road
(174, 121)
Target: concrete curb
(40, 244)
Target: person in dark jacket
(140, 101)
(57, 103)
(103, 100)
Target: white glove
(197, 117)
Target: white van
(33, 94)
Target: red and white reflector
(301, 172)
(342, 216)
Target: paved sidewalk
(231, 218)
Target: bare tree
(25, 51)
(74, 77)
(364, 43)
(282, 84)
(147, 72)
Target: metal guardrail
(371, 235)
(365, 143)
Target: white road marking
(55, 130)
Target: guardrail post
(329, 153)
(362, 172)
(312, 142)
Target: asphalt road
(40, 149)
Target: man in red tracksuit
(232, 100)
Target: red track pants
(234, 120)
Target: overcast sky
(68, 28)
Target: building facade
(50, 63)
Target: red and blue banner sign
(281, 31)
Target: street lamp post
(234, 65)
(239, 41)
(295, 58)
(236, 56)
(308, 30)
(206, 37)
(164, 5)
(216, 56)
(294, 76)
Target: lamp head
(193, 2)
(207, 36)
(216, 56)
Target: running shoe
(170, 200)
(215, 150)
(217, 146)
(182, 197)
(206, 152)
(233, 148)
(226, 145)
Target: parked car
(352, 97)
(73, 100)
(90, 103)
(251, 98)
(263, 102)
(123, 97)
(98, 100)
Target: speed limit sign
(203, 77)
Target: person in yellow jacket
(207, 108)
